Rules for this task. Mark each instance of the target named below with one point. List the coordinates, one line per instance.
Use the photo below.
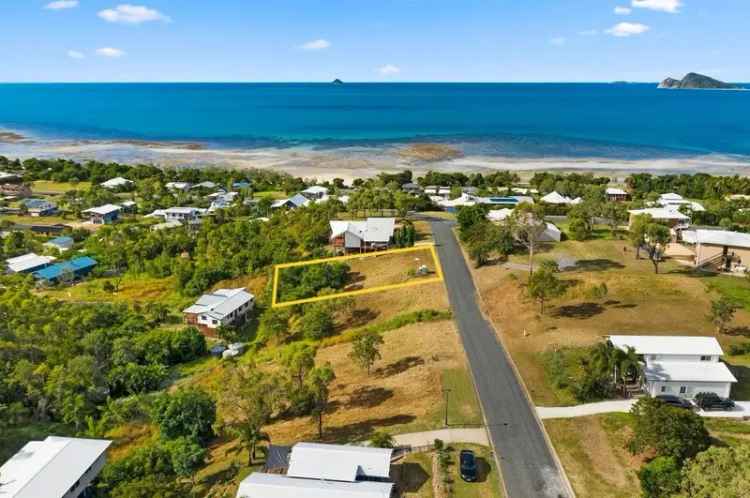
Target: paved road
(528, 467)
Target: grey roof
(336, 462)
(370, 230)
(717, 237)
(688, 371)
(260, 485)
(104, 210)
(27, 262)
(49, 468)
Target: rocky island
(696, 81)
(337, 82)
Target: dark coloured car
(712, 401)
(675, 401)
(468, 466)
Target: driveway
(741, 410)
(528, 466)
(457, 435)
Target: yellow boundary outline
(380, 288)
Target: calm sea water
(506, 119)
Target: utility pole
(445, 392)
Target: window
(683, 389)
(664, 389)
(705, 358)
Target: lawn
(270, 194)
(414, 474)
(50, 187)
(676, 301)
(592, 451)
(38, 220)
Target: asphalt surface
(528, 467)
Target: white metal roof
(338, 462)
(316, 190)
(717, 237)
(687, 371)
(116, 182)
(668, 345)
(180, 210)
(27, 262)
(104, 210)
(260, 485)
(615, 191)
(670, 197)
(221, 302)
(370, 230)
(498, 214)
(49, 468)
(555, 198)
(177, 185)
(661, 213)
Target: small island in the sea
(696, 81)
(337, 82)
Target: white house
(722, 248)
(315, 192)
(181, 214)
(222, 201)
(370, 234)
(437, 191)
(60, 244)
(116, 183)
(555, 198)
(675, 201)
(616, 194)
(58, 467)
(293, 202)
(180, 186)
(669, 216)
(326, 471)
(104, 215)
(28, 263)
(680, 365)
(220, 308)
(551, 232)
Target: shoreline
(357, 161)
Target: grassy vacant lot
(673, 302)
(132, 289)
(592, 450)
(38, 220)
(417, 480)
(50, 187)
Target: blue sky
(367, 40)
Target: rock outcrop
(695, 81)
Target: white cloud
(389, 70)
(132, 14)
(625, 29)
(623, 11)
(75, 54)
(61, 4)
(671, 6)
(589, 32)
(558, 41)
(110, 52)
(318, 44)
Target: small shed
(60, 244)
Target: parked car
(675, 401)
(712, 401)
(468, 466)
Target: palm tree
(250, 435)
(629, 364)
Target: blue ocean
(514, 120)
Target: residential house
(438, 191)
(615, 194)
(315, 192)
(720, 248)
(207, 185)
(129, 206)
(411, 188)
(39, 207)
(679, 365)
(219, 308)
(676, 201)
(58, 467)
(222, 201)
(551, 232)
(452, 205)
(668, 216)
(15, 190)
(187, 215)
(368, 235)
(67, 271)
(293, 202)
(28, 263)
(104, 215)
(324, 471)
(60, 244)
(167, 225)
(555, 198)
(117, 183)
(9, 177)
(240, 185)
(178, 186)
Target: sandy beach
(353, 162)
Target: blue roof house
(67, 270)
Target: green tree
(543, 286)
(579, 229)
(660, 478)
(657, 238)
(187, 412)
(637, 232)
(366, 350)
(317, 321)
(721, 313)
(719, 472)
(298, 359)
(615, 214)
(318, 382)
(666, 430)
(187, 456)
(527, 226)
(382, 439)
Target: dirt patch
(386, 269)
(429, 152)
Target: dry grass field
(674, 302)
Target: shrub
(660, 477)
